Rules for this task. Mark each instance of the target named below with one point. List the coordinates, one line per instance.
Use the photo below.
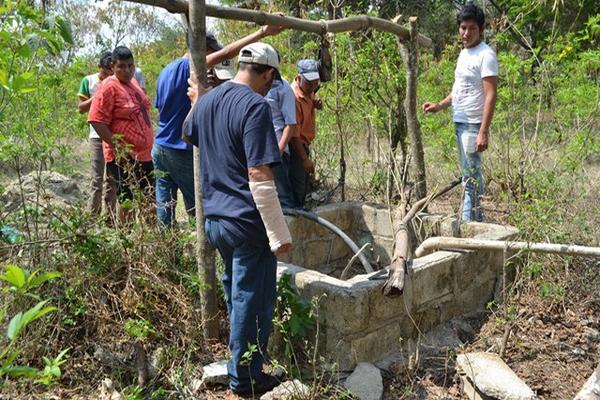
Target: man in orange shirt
(301, 166)
(120, 114)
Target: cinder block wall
(356, 322)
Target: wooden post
(410, 57)
(204, 254)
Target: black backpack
(324, 61)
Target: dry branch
(394, 285)
(319, 27)
(440, 243)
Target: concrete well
(356, 322)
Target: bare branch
(320, 27)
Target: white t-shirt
(472, 66)
(87, 89)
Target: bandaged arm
(264, 193)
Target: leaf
(20, 321)
(64, 29)
(3, 77)
(14, 326)
(15, 276)
(23, 84)
(38, 280)
(25, 50)
(21, 371)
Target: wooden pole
(319, 27)
(394, 285)
(204, 254)
(410, 57)
(451, 243)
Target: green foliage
(139, 329)
(52, 372)
(294, 318)
(251, 349)
(22, 282)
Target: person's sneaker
(265, 384)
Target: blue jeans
(174, 169)
(472, 177)
(249, 282)
(285, 192)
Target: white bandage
(267, 203)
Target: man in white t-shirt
(87, 89)
(473, 99)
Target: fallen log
(394, 285)
(451, 243)
(327, 224)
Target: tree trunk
(204, 253)
(410, 58)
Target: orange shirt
(305, 114)
(125, 108)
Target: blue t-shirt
(236, 133)
(173, 104)
(282, 100)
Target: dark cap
(212, 42)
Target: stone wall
(357, 323)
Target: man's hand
(193, 92)
(284, 248)
(318, 103)
(309, 166)
(271, 30)
(481, 144)
(431, 107)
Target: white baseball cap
(224, 70)
(259, 53)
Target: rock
(157, 361)
(365, 382)
(441, 338)
(593, 335)
(54, 189)
(591, 388)
(215, 374)
(288, 390)
(111, 359)
(108, 391)
(486, 374)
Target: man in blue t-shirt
(232, 127)
(172, 157)
(282, 100)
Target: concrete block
(340, 214)
(492, 377)
(432, 282)
(381, 341)
(383, 224)
(315, 252)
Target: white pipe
(451, 243)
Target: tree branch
(319, 27)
